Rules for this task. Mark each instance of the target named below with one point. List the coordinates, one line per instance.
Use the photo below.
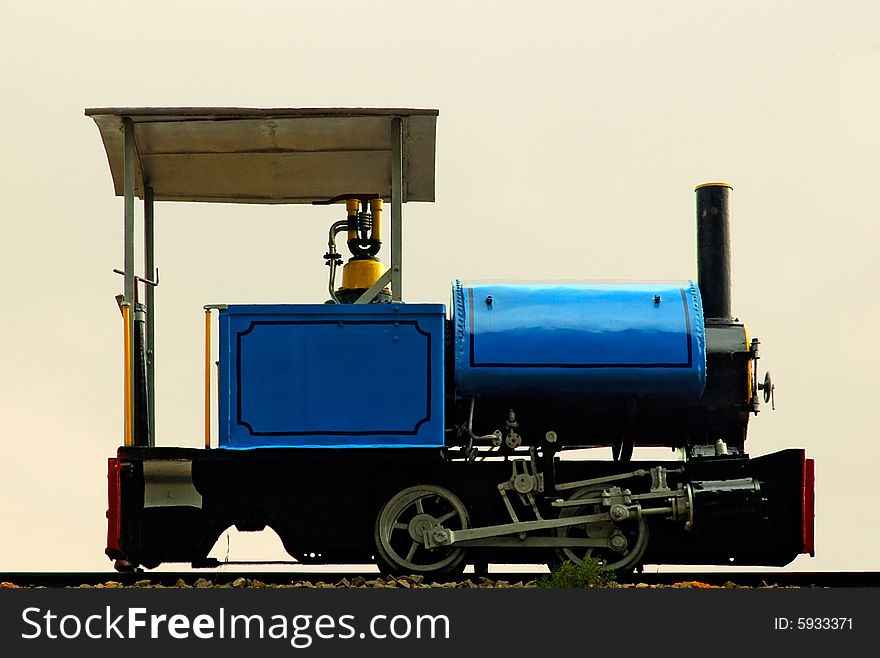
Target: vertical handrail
(129, 156)
(397, 187)
(150, 302)
(207, 378)
(127, 385)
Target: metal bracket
(370, 293)
(169, 483)
(142, 279)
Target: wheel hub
(618, 542)
(420, 525)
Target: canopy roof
(287, 155)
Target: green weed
(568, 575)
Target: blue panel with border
(331, 375)
(599, 339)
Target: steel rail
(221, 577)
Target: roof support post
(396, 209)
(128, 271)
(128, 211)
(149, 302)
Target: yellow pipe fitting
(376, 211)
(127, 385)
(361, 273)
(713, 185)
(207, 378)
(352, 206)
(749, 367)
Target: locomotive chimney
(713, 248)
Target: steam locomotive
(423, 437)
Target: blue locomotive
(423, 437)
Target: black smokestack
(713, 248)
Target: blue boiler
(642, 340)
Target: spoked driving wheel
(403, 522)
(627, 541)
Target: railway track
(220, 578)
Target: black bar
(713, 248)
(439, 622)
(149, 303)
(141, 400)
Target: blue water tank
(645, 340)
(331, 376)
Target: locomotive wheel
(402, 522)
(634, 531)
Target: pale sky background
(569, 141)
